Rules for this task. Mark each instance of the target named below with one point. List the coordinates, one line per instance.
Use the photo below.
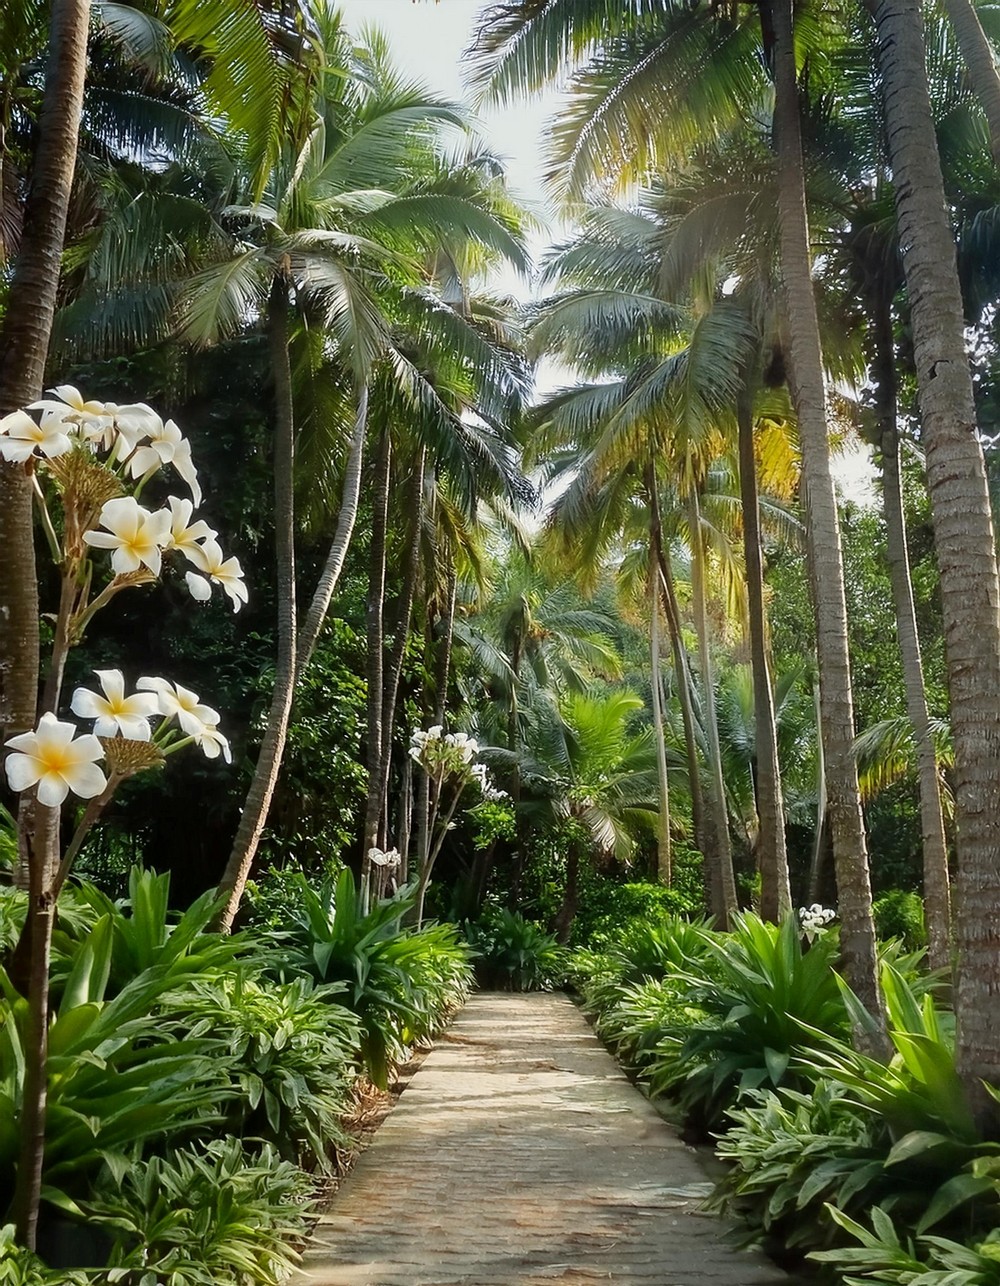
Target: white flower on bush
(212, 743)
(488, 789)
(57, 761)
(135, 536)
(184, 535)
(21, 436)
(103, 425)
(814, 919)
(388, 858)
(113, 711)
(174, 701)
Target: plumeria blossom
(21, 436)
(113, 711)
(184, 534)
(136, 536)
(174, 701)
(57, 761)
(166, 444)
(388, 858)
(487, 787)
(101, 424)
(211, 741)
(227, 572)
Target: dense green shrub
(607, 908)
(899, 914)
(206, 1216)
(515, 954)
(399, 982)
(291, 1051)
(884, 1257)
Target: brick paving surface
(520, 1155)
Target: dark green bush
(608, 908)
(899, 914)
(515, 954)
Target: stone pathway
(520, 1155)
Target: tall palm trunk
(823, 533)
(346, 518)
(723, 881)
(265, 777)
(963, 534)
(390, 693)
(24, 344)
(978, 57)
(682, 670)
(663, 863)
(937, 883)
(772, 857)
(375, 618)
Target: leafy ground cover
(204, 1088)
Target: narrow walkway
(520, 1155)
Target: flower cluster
(137, 444)
(389, 858)
(453, 754)
(57, 761)
(814, 919)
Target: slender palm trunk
(24, 344)
(823, 534)
(265, 778)
(562, 925)
(723, 881)
(937, 882)
(977, 54)
(682, 670)
(346, 518)
(772, 857)
(816, 862)
(376, 648)
(445, 647)
(402, 634)
(963, 534)
(663, 864)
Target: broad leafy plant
(516, 954)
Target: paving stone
(520, 1155)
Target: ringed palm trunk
(346, 518)
(258, 800)
(723, 881)
(376, 650)
(24, 341)
(937, 884)
(24, 345)
(963, 535)
(977, 55)
(682, 670)
(663, 863)
(775, 895)
(819, 502)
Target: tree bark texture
(772, 856)
(265, 778)
(963, 534)
(937, 882)
(24, 346)
(819, 502)
(346, 518)
(663, 863)
(723, 881)
(977, 54)
(376, 645)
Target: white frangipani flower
(173, 700)
(211, 741)
(390, 857)
(94, 420)
(114, 712)
(21, 436)
(166, 445)
(209, 558)
(55, 759)
(184, 534)
(201, 589)
(136, 536)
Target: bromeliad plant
(89, 463)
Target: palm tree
(963, 530)
(977, 52)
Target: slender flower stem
(50, 532)
(93, 811)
